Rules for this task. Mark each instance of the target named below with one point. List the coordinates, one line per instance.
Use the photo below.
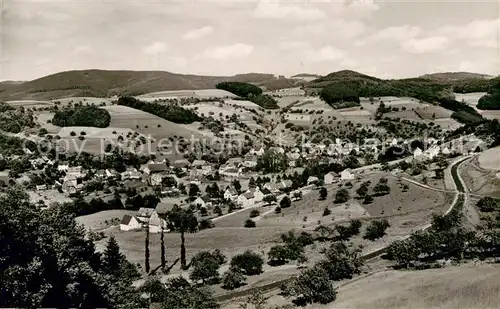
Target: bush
(249, 223)
(83, 133)
(326, 212)
(376, 229)
(277, 210)
(254, 213)
(311, 286)
(285, 202)
(342, 196)
(248, 263)
(72, 133)
(368, 199)
(323, 193)
(232, 279)
(488, 204)
(206, 224)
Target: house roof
(333, 174)
(248, 195)
(126, 219)
(157, 167)
(163, 208)
(145, 212)
(232, 191)
(198, 163)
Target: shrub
(323, 193)
(326, 212)
(232, 279)
(72, 133)
(249, 263)
(376, 229)
(285, 202)
(254, 213)
(83, 133)
(341, 196)
(249, 223)
(368, 199)
(277, 210)
(311, 286)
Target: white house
(418, 153)
(259, 152)
(312, 180)
(157, 224)
(129, 223)
(347, 174)
(330, 178)
(230, 194)
(246, 199)
(202, 201)
(62, 168)
(144, 213)
(257, 194)
(432, 152)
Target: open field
(432, 112)
(406, 114)
(48, 197)
(243, 103)
(230, 241)
(472, 99)
(448, 123)
(469, 98)
(461, 287)
(312, 103)
(287, 100)
(103, 219)
(416, 199)
(30, 103)
(478, 179)
(216, 109)
(490, 159)
(180, 94)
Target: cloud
(397, 33)
(237, 50)
(293, 45)
(82, 49)
(275, 10)
(155, 48)
(197, 33)
(477, 33)
(425, 45)
(343, 29)
(326, 53)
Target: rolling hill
(103, 83)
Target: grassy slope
(101, 83)
(461, 287)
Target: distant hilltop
(454, 76)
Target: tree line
(171, 112)
(82, 116)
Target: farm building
(202, 202)
(157, 224)
(246, 199)
(258, 195)
(347, 174)
(129, 223)
(330, 178)
(312, 180)
(230, 194)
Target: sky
(387, 39)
